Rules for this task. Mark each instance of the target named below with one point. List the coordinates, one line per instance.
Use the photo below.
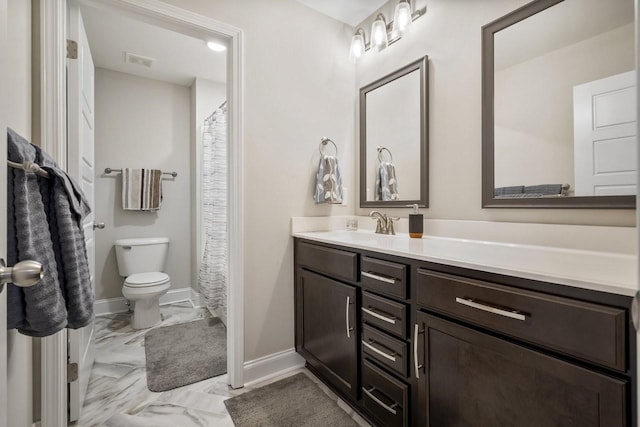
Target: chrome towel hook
(323, 142)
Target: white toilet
(142, 262)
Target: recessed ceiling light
(216, 47)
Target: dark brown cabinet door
(327, 320)
(469, 378)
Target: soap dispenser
(416, 223)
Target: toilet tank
(141, 255)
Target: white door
(3, 211)
(605, 131)
(80, 113)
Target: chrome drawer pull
(380, 352)
(378, 401)
(379, 316)
(379, 278)
(514, 314)
(346, 320)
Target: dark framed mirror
(394, 138)
(558, 106)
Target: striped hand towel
(141, 189)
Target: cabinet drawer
(386, 350)
(588, 331)
(383, 276)
(384, 397)
(334, 262)
(385, 314)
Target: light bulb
(357, 46)
(379, 38)
(402, 18)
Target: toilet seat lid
(140, 280)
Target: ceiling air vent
(132, 58)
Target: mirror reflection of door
(539, 144)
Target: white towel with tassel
(328, 181)
(141, 189)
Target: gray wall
(298, 86)
(142, 123)
(450, 34)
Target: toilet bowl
(141, 262)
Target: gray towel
(503, 191)
(544, 189)
(66, 209)
(328, 181)
(38, 310)
(45, 224)
(386, 182)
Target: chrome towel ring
(323, 142)
(380, 150)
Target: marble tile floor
(118, 395)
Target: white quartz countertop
(600, 271)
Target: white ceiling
(350, 12)
(178, 57)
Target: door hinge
(72, 49)
(72, 372)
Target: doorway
(192, 25)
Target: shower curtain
(212, 278)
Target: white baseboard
(196, 299)
(119, 305)
(275, 364)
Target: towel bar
(28, 167)
(109, 170)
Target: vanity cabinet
(329, 336)
(408, 342)
(470, 378)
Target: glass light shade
(357, 47)
(379, 38)
(402, 18)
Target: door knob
(98, 225)
(23, 274)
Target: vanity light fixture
(379, 38)
(383, 34)
(357, 45)
(216, 47)
(402, 18)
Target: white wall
(298, 87)
(450, 34)
(534, 142)
(206, 97)
(141, 123)
(19, 347)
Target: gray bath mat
(293, 401)
(185, 353)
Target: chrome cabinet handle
(379, 278)
(380, 352)
(378, 401)
(98, 225)
(23, 274)
(513, 314)
(379, 316)
(349, 328)
(416, 365)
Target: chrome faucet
(385, 223)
